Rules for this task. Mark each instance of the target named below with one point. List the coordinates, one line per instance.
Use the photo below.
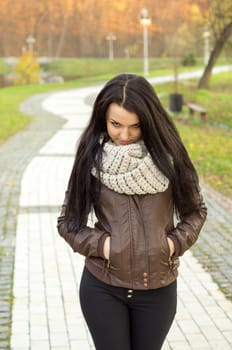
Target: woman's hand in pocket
(171, 246)
(106, 248)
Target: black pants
(124, 319)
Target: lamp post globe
(30, 40)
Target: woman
(132, 169)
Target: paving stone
(180, 345)
(219, 344)
(79, 344)
(41, 345)
(3, 336)
(59, 339)
(18, 341)
(188, 326)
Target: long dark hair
(135, 94)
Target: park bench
(196, 108)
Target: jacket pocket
(114, 261)
(165, 258)
(173, 261)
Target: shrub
(28, 70)
(189, 60)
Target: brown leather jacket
(138, 226)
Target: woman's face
(123, 127)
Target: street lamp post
(145, 21)
(111, 37)
(30, 42)
(206, 36)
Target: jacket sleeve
(186, 232)
(88, 241)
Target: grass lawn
(11, 120)
(209, 146)
(217, 99)
(210, 149)
(86, 71)
(104, 68)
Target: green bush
(189, 60)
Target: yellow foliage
(220, 13)
(27, 71)
(120, 6)
(196, 16)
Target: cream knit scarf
(130, 170)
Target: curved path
(46, 312)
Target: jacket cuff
(100, 248)
(69, 237)
(176, 244)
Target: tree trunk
(62, 37)
(50, 36)
(204, 81)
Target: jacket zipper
(131, 241)
(146, 244)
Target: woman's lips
(124, 143)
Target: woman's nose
(124, 135)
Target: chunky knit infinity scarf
(130, 170)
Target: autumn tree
(79, 28)
(219, 20)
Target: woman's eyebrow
(113, 120)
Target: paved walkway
(46, 312)
(15, 154)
